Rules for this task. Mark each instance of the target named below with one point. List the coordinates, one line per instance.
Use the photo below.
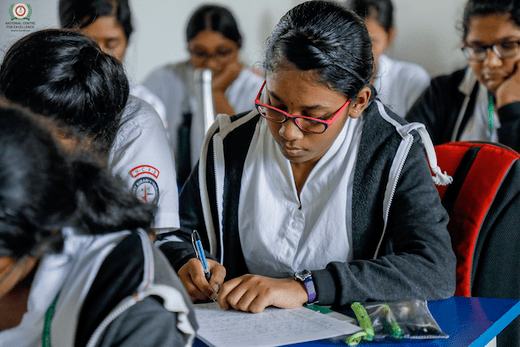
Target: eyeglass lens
(501, 49)
(303, 123)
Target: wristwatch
(305, 276)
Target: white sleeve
(142, 157)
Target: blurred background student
(214, 41)
(109, 24)
(76, 262)
(398, 83)
(482, 100)
(63, 74)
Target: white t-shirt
(281, 233)
(142, 157)
(399, 83)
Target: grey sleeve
(416, 260)
(147, 323)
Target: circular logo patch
(146, 189)
(20, 11)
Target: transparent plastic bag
(405, 319)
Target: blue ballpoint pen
(199, 251)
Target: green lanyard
(46, 335)
(491, 111)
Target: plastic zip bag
(405, 319)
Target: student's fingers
(192, 277)
(227, 76)
(225, 289)
(250, 293)
(254, 293)
(218, 274)
(509, 90)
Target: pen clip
(194, 244)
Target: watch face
(303, 275)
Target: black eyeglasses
(505, 49)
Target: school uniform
(175, 86)
(106, 290)
(455, 107)
(141, 156)
(399, 83)
(141, 92)
(383, 232)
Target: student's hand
(224, 79)
(192, 277)
(509, 91)
(253, 293)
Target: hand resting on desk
(250, 293)
(253, 293)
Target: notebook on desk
(273, 327)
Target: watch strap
(305, 277)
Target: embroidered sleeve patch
(144, 169)
(146, 189)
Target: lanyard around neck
(491, 112)
(46, 335)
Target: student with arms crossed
(481, 101)
(63, 74)
(76, 262)
(320, 183)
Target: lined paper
(272, 327)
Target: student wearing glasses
(214, 43)
(321, 194)
(481, 101)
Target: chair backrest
(484, 207)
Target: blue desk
(468, 321)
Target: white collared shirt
(399, 83)
(281, 233)
(477, 127)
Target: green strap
(491, 111)
(46, 335)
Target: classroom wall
(426, 30)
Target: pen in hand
(199, 251)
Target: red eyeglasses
(308, 124)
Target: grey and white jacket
(112, 289)
(401, 246)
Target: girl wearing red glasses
(320, 194)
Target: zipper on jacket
(123, 306)
(409, 143)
